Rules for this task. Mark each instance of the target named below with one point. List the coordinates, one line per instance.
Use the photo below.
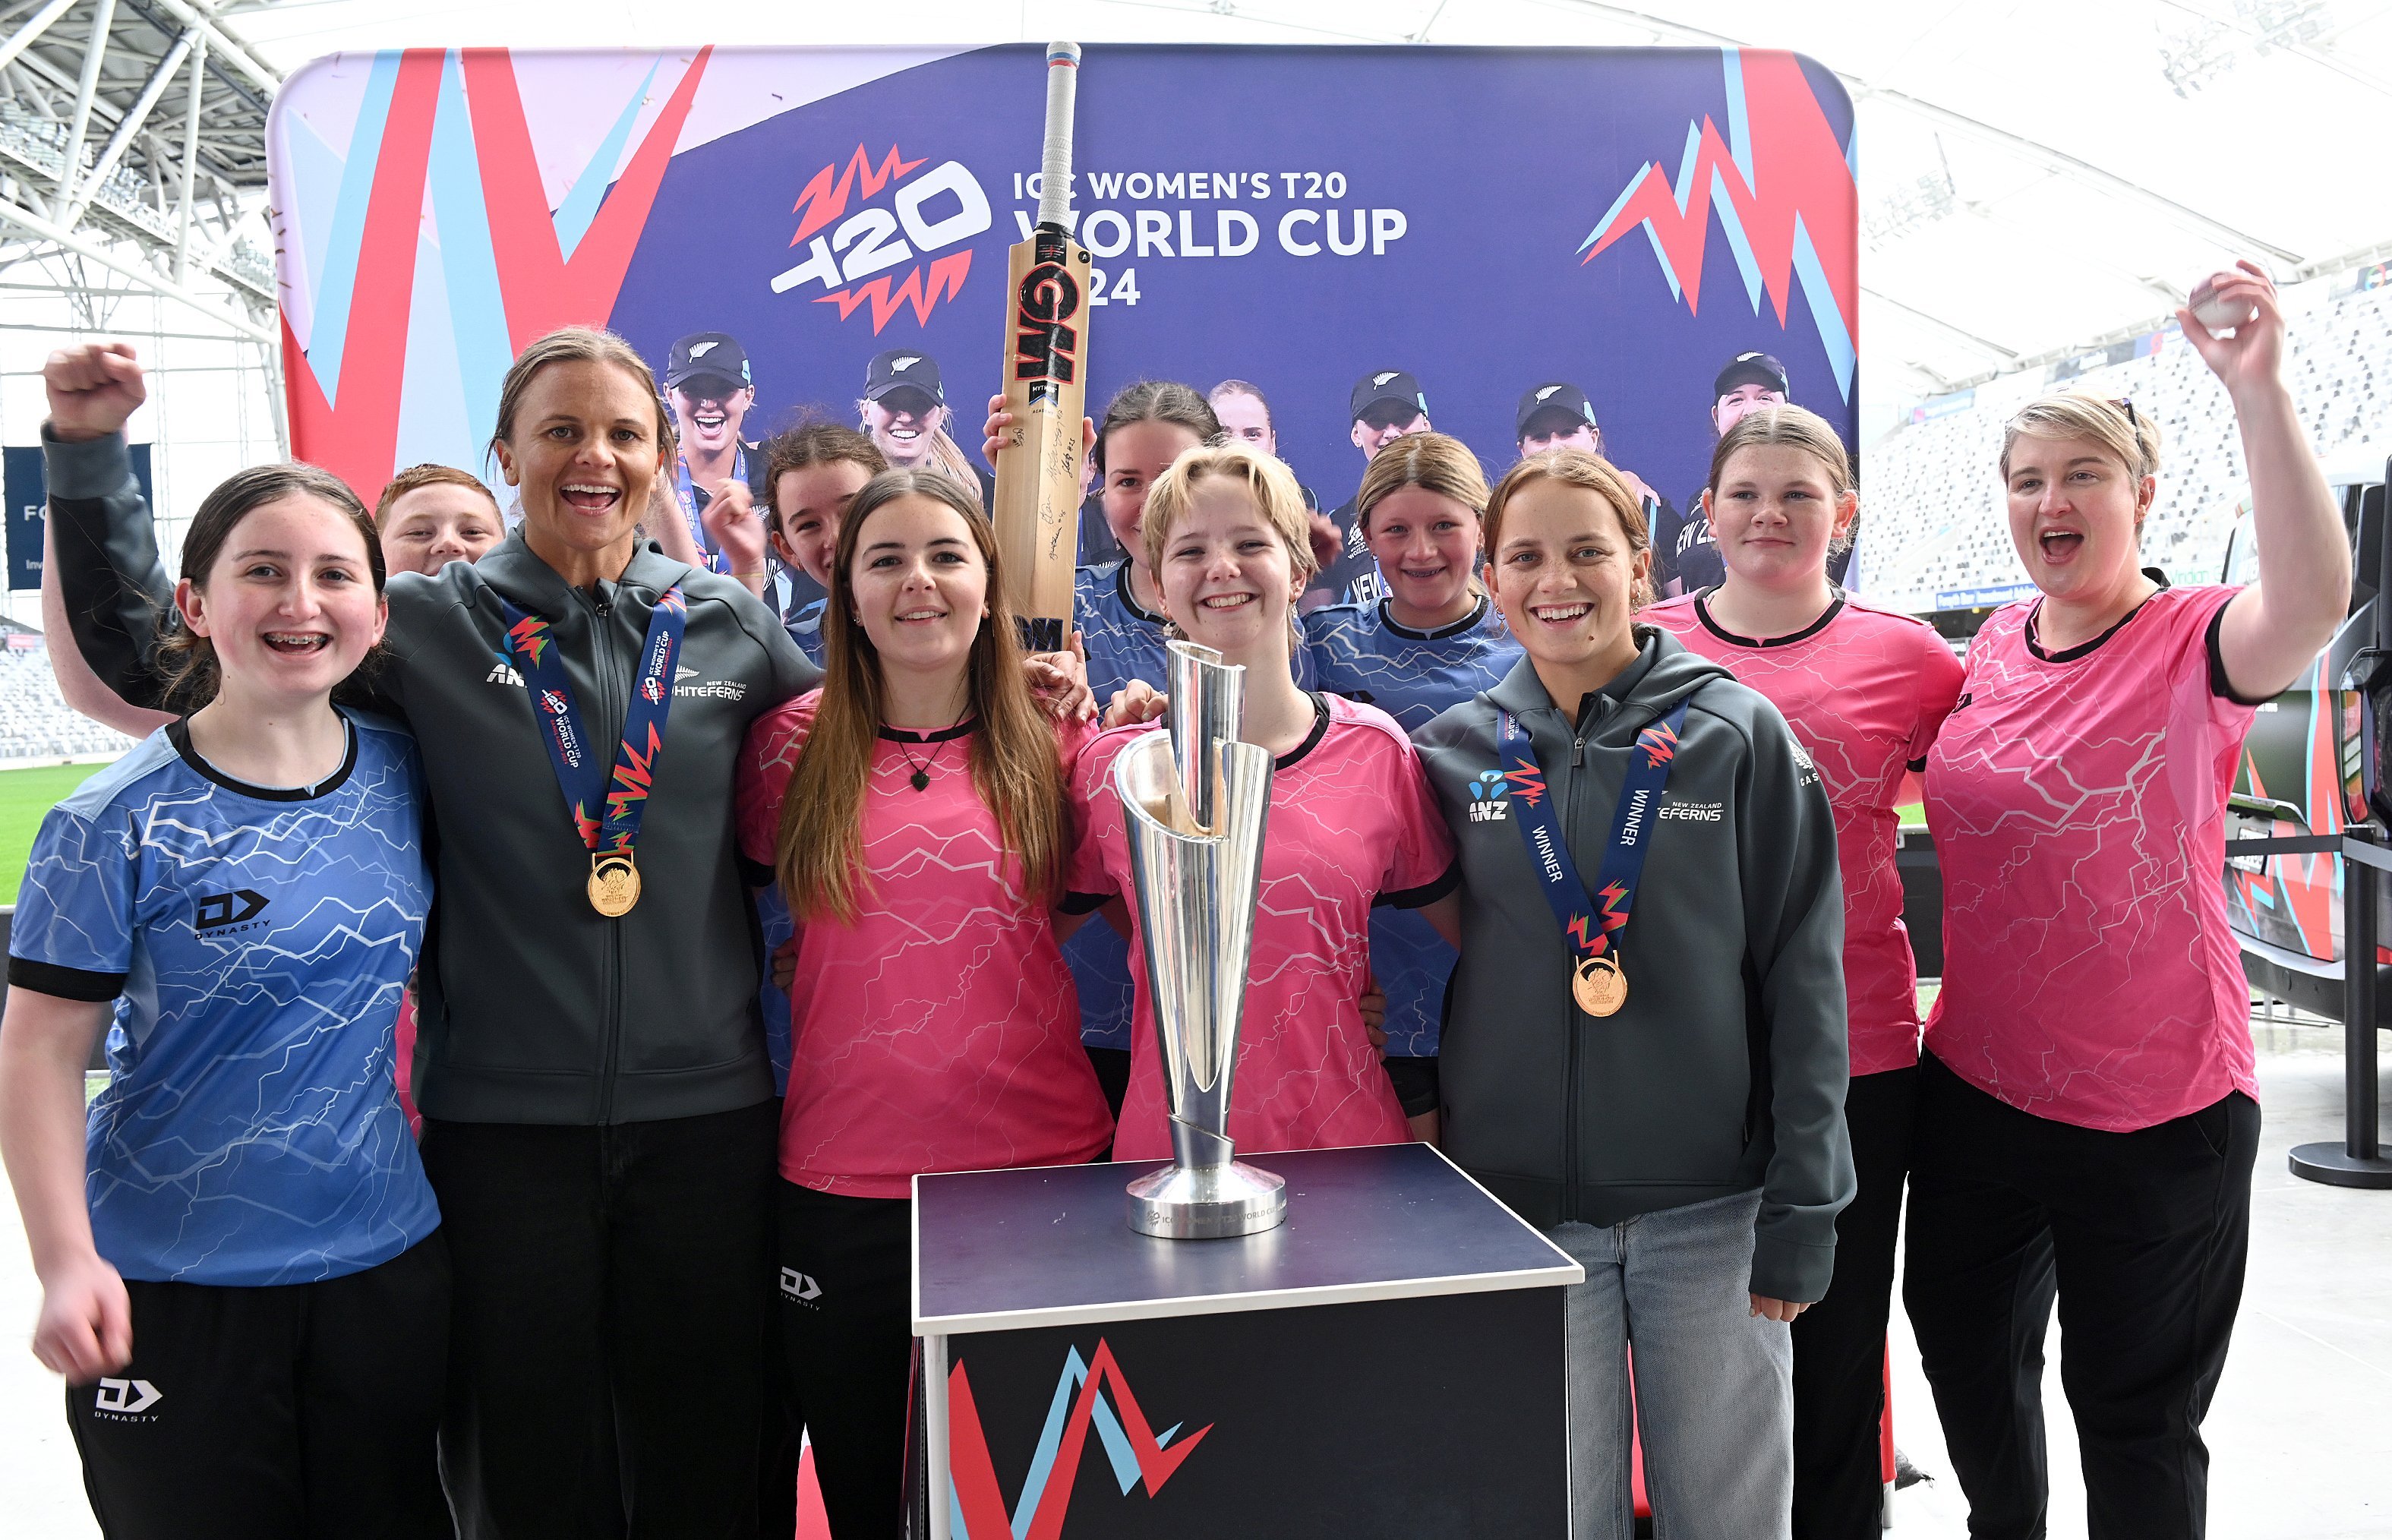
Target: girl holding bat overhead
(1352, 823)
(912, 812)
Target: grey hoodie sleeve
(115, 589)
(1794, 920)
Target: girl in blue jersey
(1433, 643)
(1118, 610)
(242, 1279)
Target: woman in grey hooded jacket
(1646, 1059)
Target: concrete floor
(2299, 1440)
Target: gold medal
(615, 884)
(1599, 985)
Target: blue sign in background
(27, 489)
(1500, 162)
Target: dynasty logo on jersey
(217, 912)
(1487, 805)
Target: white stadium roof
(2035, 176)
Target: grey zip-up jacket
(531, 1007)
(1726, 1069)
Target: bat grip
(1055, 157)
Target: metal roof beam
(95, 53)
(31, 32)
(128, 126)
(149, 277)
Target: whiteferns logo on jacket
(711, 689)
(1802, 762)
(1486, 805)
(1701, 813)
(126, 1400)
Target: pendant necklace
(921, 776)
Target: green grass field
(25, 795)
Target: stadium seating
(1933, 515)
(34, 723)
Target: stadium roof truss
(133, 140)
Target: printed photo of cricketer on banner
(1472, 223)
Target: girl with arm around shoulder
(1864, 690)
(912, 813)
(2087, 1101)
(244, 1280)
(1645, 1057)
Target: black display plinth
(1388, 1361)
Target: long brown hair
(1014, 766)
(1434, 461)
(814, 441)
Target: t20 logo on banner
(922, 213)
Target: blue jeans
(1714, 1383)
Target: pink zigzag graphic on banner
(541, 288)
(1784, 195)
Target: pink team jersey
(1865, 689)
(2078, 800)
(940, 1031)
(1351, 818)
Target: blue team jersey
(1125, 642)
(257, 942)
(805, 625)
(1355, 651)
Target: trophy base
(1204, 1203)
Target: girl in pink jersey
(1352, 823)
(1865, 690)
(912, 812)
(2086, 1104)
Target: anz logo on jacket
(1485, 805)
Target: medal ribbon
(1588, 920)
(585, 782)
(685, 493)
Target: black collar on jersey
(1120, 584)
(1468, 622)
(2069, 655)
(178, 733)
(1703, 613)
(944, 735)
(1312, 739)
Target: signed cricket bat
(1038, 512)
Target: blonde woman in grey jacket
(1647, 1058)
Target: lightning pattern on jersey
(2079, 811)
(1358, 651)
(939, 1031)
(1353, 817)
(1864, 692)
(249, 1133)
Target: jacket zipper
(613, 696)
(1571, 1109)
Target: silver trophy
(1195, 799)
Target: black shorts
(279, 1412)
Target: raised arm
(78, 686)
(115, 590)
(2273, 628)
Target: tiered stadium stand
(35, 724)
(1933, 518)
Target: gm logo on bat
(1046, 315)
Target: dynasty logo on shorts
(796, 1286)
(126, 1400)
